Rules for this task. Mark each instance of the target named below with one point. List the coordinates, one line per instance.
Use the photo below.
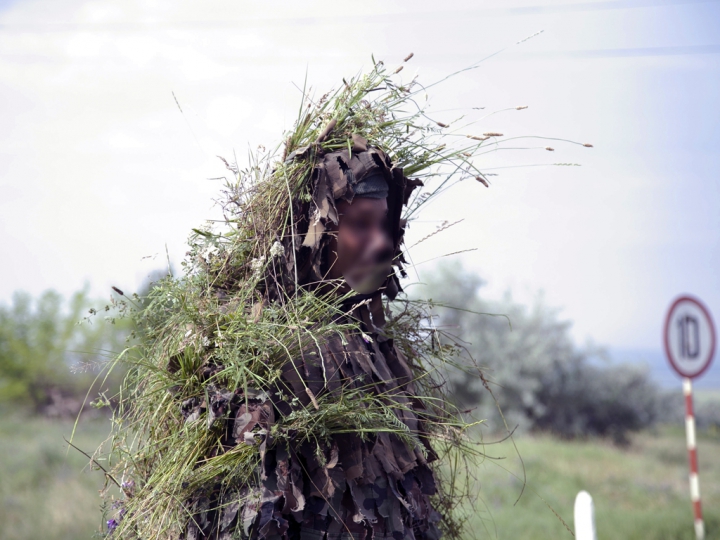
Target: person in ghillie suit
(375, 486)
(285, 387)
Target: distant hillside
(660, 369)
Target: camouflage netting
(263, 403)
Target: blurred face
(361, 249)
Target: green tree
(541, 379)
(47, 354)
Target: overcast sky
(99, 170)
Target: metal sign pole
(692, 455)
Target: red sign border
(666, 341)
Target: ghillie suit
(261, 401)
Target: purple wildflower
(119, 505)
(128, 487)
(112, 525)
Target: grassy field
(44, 492)
(640, 492)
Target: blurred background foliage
(52, 349)
(581, 420)
(541, 379)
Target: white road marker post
(584, 517)
(689, 337)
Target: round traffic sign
(689, 337)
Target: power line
(259, 22)
(682, 50)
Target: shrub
(540, 378)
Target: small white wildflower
(367, 338)
(257, 264)
(208, 252)
(277, 250)
(207, 227)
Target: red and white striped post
(692, 455)
(689, 337)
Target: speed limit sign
(689, 337)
